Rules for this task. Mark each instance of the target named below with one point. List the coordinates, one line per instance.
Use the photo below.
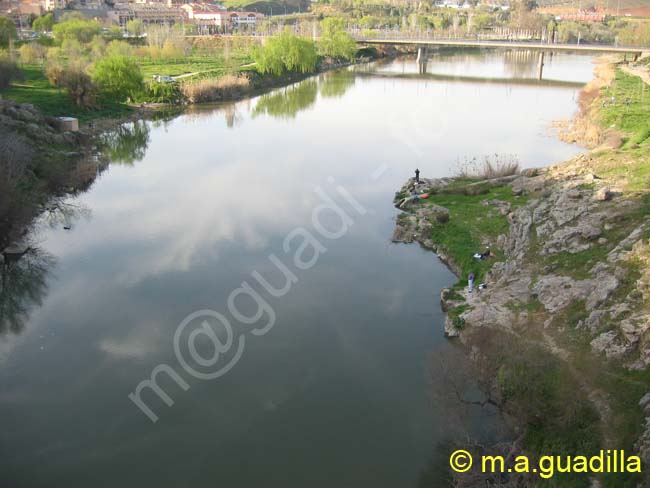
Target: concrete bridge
(423, 43)
(538, 46)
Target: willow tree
(286, 52)
(335, 41)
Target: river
(333, 383)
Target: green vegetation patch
(455, 316)
(626, 104)
(37, 90)
(542, 391)
(472, 225)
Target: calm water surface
(338, 392)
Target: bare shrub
(214, 89)
(587, 96)
(491, 166)
(80, 87)
(54, 73)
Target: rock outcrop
(577, 255)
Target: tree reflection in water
(287, 102)
(334, 85)
(127, 143)
(23, 285)
(61, 211)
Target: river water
(332, 383)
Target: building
(55, 5)
(213, 17)
(21, 12)
(244, 19)
(149, 14)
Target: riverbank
(560, 335)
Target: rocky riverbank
(39, 160)
(568, 271)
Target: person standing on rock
(417, 176)
(470, 281)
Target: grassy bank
(37, 90)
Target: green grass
(627, 107)
(539, 389)
(207, 66)
(471, 226)
(36, 89)
(454, 315)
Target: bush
(32, 53)
(165, 92)
(9, 71)
(174, 49)
(119, 48)
(210, 90)
(118, 76)
(97, 47)
(286, 52)
(54, 73)
(80, 87)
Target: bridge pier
(540, 66)
(422, 59)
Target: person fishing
(417, 175)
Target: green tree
(335, 41)
(79, 29)
(7, 31)
(286, 52)
(44, 23)
(118, 76)
(135, 27)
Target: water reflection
(63, 212)
(127, 143)
(287, 102)
(334, 85)
(494, 64)
(23, 285)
